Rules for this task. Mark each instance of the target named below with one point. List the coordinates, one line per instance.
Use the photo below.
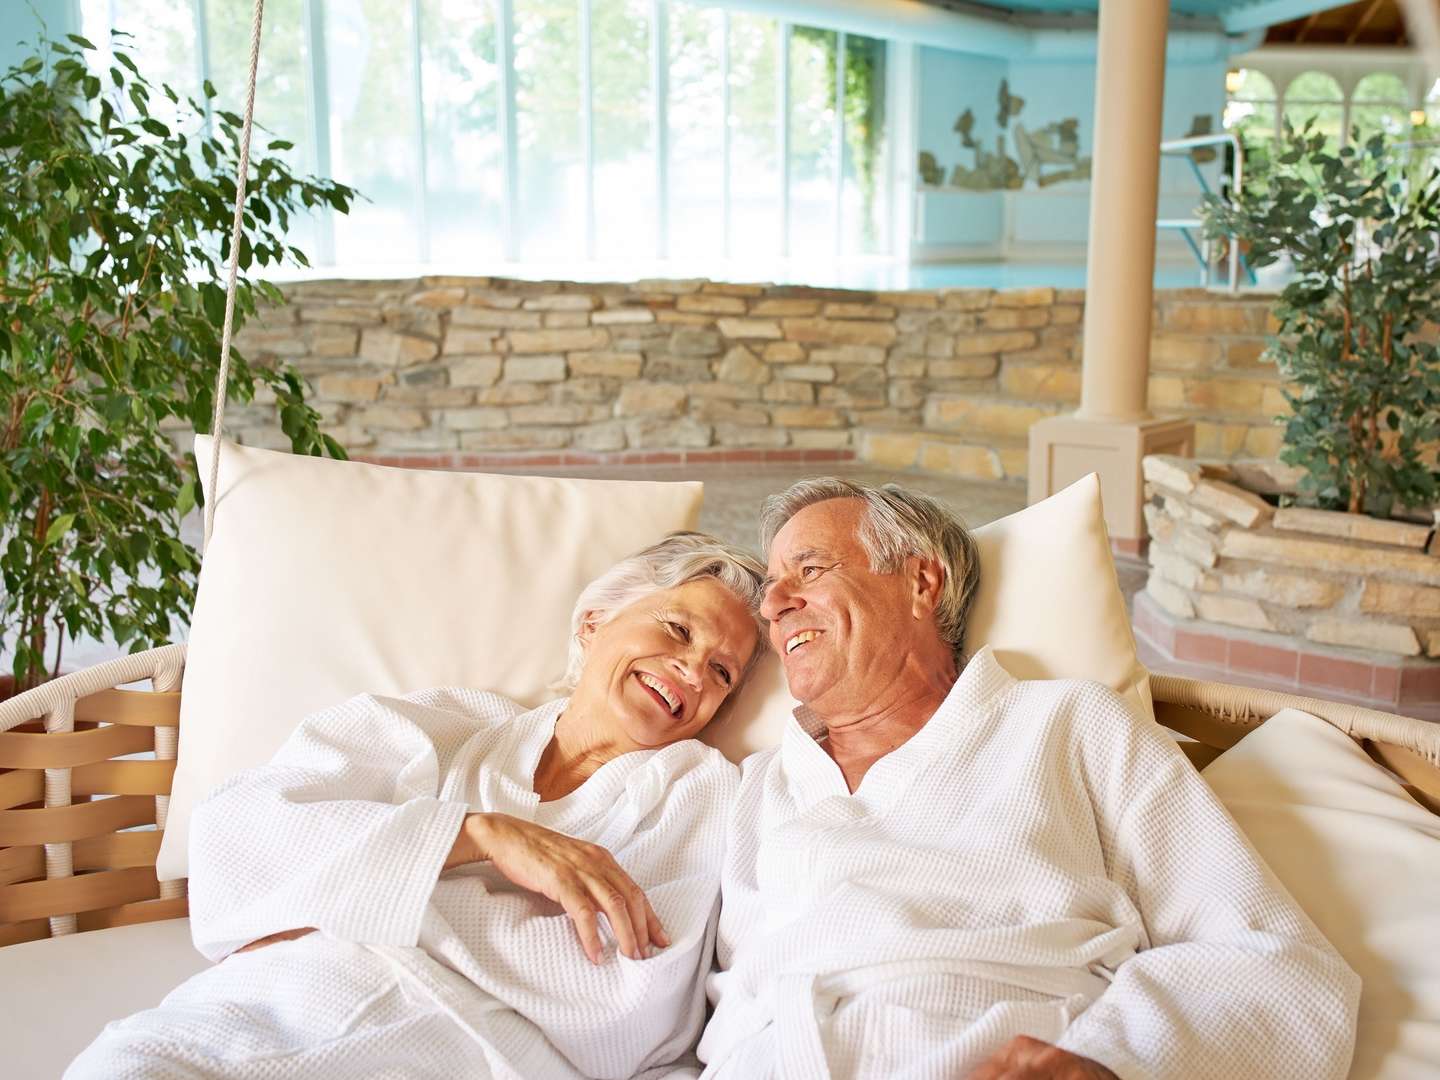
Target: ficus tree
(1357, 323)
(114, 235)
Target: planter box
(1285, 593)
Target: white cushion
(1049, 605)
(60, 992)
(326, 578)
(1362, 858)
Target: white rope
(222, 381)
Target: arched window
(1250, 105)
(1380, 105)
(1315, 96)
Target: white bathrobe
(1035, 860)
(347, 829)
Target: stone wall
(447, 370)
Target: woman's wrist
(469, 845)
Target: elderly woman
(415, 886)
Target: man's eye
(724, 675)
(680, 630)
(808, 572)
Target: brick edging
(1204, 650)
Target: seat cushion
(325, 579)
(1362, 858)
(61, 991)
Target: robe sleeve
(1236, 980)
(342, 831)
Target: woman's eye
(680, 630)
(724, 675)
(808, 572)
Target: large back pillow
(325, 579)
(1049, 605)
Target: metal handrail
(1237, 178)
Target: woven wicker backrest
(80, 819)
(80, 816)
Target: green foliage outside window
(114, 226)
(1359, 227)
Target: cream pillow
(1049, 605)
(1362, 858)
(326, 578)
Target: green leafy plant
(114, 227)
(1356, 334)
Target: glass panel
(754, 133)
(1253, 121)
(283, 108)
(865, 198)
(1313, 86)
(1254, 86)
(464, 156)
(696, 132)
(282, 99)
(812, 142)
(372, 128)
(158, 36)
(1368, 120)
(1381, 86)
(623, 110)
(1329, 119)
(547, 99)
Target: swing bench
(97, 777)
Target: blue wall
(19, 27)
(1050, 222)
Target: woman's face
(662, 666)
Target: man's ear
(927, 583)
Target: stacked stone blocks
(1219, 552)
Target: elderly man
(945, 872)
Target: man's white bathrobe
(1035, 860)
(347, 830)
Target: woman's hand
(582, 878)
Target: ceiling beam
(1304, 30)
(1263, 13)
(1362, 22)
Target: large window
(1378, 106)
(495, 131)
(1313, 97)
(1252, 106)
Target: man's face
(842, 630)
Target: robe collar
(814, 776)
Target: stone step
(985, 414)
(993, 457)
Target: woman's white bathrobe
(347, 829)
(1035, 860)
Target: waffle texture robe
(347, 830)
(1035, 860)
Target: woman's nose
(687, 668)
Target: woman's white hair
(680, 558)
(898, 524)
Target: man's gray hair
(682, 557)
(897, 525)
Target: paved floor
(733, 496)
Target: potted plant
(1359, 227)
(114, 228)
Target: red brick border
(1205, 650)
(464, 460)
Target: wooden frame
(81, 818)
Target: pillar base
(1065, 448)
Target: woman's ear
(589, 622)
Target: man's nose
(778, 600)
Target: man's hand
(582, 878)
(1024, 1058)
